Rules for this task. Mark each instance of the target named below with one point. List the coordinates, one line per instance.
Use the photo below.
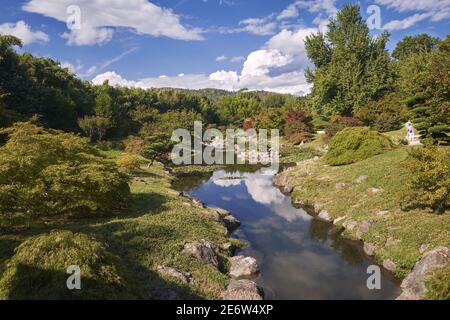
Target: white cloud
(23, 31)
(221, 58)
(237, 59)
(99, 18)
(257, 26)
(425, 9)
(73, 68)
(293, 10)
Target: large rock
(414, 284)
(389, 265)
(204, 251)
(243, 290)
(283, 181)
(168, 271)
(243, 267)
(231, 223)
(324, 215)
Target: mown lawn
(149, 234)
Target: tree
(297, 121)
(271, 118)
(50, 173)
(157, 148)
(351, 67)
(424, 84)
(94, 127)
(414, 44)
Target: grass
(292, 154)
(149, 234)
(337, 191)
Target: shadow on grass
(34, 283)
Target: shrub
(297, 121)
(338, 123)
(128, 164)
(134, 144)
(300, 137)
(355, 144)
(38, 270)
(47, 173)
(429, 180)
(94, 127)
(383, 115)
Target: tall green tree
(414, 44)
(351, 67)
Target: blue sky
(230, 44)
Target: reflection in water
(300, 257)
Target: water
(300, 257)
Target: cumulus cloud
(98, 19)
(221, 58)
(23, 31)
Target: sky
(224, 44)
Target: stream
(300, 257)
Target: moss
(38, 269)
(355, 144)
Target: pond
(300, 257)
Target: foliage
(271, 118)
(424, 84)
(355, 144)
(297, 121)
(134, 144)
(300, 137)
(351, 67)
(128, 163)
(411, 45)
(94, 127)
(48, 173)
(38, 270)
(338, 123)
(384, 115)
(429, 178)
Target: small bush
(338, 123)
(134, 144)
(38, 270)
(429, 178)
(129, 164)
(48, 173)
(384, 115)
(300, 137)
(355, 144)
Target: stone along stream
(300, 257)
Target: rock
(228, 246)
(243, 290)
(316, 158)
(324, 215)
(317, 207)
(382, 213)
(350, 225)
(340, 185)
(423, 248)
(337, 220)
(297, 202)
(369, 249)
(214, 215)
(376, 190)
(231, 223)
(243, 267)
(361, 179)
(413, 285)
(205, 252)
(364, 227)
(184, 277)
(222, 212)
(282, 181)
(389, 265)
(392, 241)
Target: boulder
(324, 215)
(369, 249)
(282, 181)
(337, 220)
(413, 285)
(243, 290)
(350, 225)
(361, 179)
(231, 223)
(204, 252)
(363, 228)
(243, 267)
(317, 207)
(389, 265)
(184, 277)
